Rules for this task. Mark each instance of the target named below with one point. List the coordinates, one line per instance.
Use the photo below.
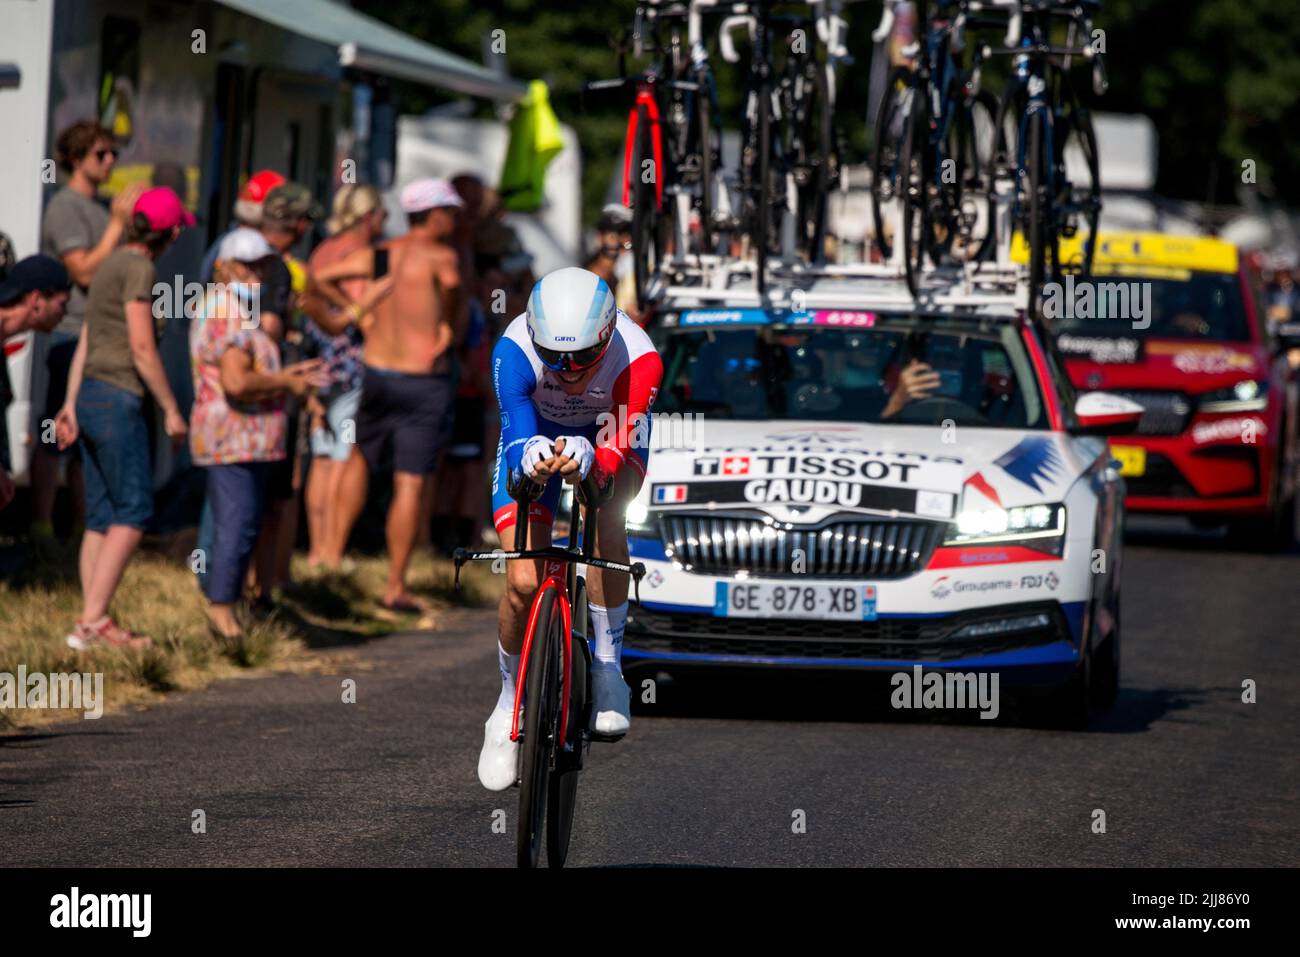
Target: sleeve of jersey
(514, 381)
(633, 394)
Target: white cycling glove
(580, 450)
(536, 450)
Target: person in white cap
(407, 388)
(238, 426)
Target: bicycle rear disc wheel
(541, 713)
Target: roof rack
(703, 282)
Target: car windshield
(903, 370)
(1195, 305)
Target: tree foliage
(1220, 78)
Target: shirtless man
(406, 389)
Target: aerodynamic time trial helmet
(571, 319)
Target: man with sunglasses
(575, 379)
(79, 230)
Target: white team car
(793, 516)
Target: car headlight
(638, 517)
(1037, 526)
(1248, 395)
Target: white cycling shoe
(612, 708)
(499, 759)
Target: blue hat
(33, 274)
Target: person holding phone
(239, 424)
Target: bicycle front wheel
(541, 726)
(562, 796)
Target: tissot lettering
(874, 469)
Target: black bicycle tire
(562, 795)
(814, 240)
(1074, 109)
(914, 251)
(644, 209)
(535, 748)
(985, 166)
(1036, 240)
(704, 121)
(899, 78)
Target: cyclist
(575, 379)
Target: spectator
(407, 385)
(248, 212)
(80, 230)
(33, 296)
(248, 215)
(287, 215)
(116, 361)
(456, 496)
(612, 260)
(12, 317)
(1283, 297)
(357, 221)
(238, 424)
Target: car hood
(807, 471)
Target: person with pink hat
(115, 367)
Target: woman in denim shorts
(115, 365)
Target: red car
(1176, 324)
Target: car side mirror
(1101, 413)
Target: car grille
(1163, 413)
(650, 631)
(841, 549)
(1161, 479)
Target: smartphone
(381, 263)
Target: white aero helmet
(571, 318)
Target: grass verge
(326, 615)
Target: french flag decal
(669, 494)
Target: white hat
(244, 245)
(429, 193)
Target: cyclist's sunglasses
(107, 151)
(577, 361)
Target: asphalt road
(716, 772)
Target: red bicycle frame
(552, 582)
(644, 98)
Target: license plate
(773, 600)
(1132, 459)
